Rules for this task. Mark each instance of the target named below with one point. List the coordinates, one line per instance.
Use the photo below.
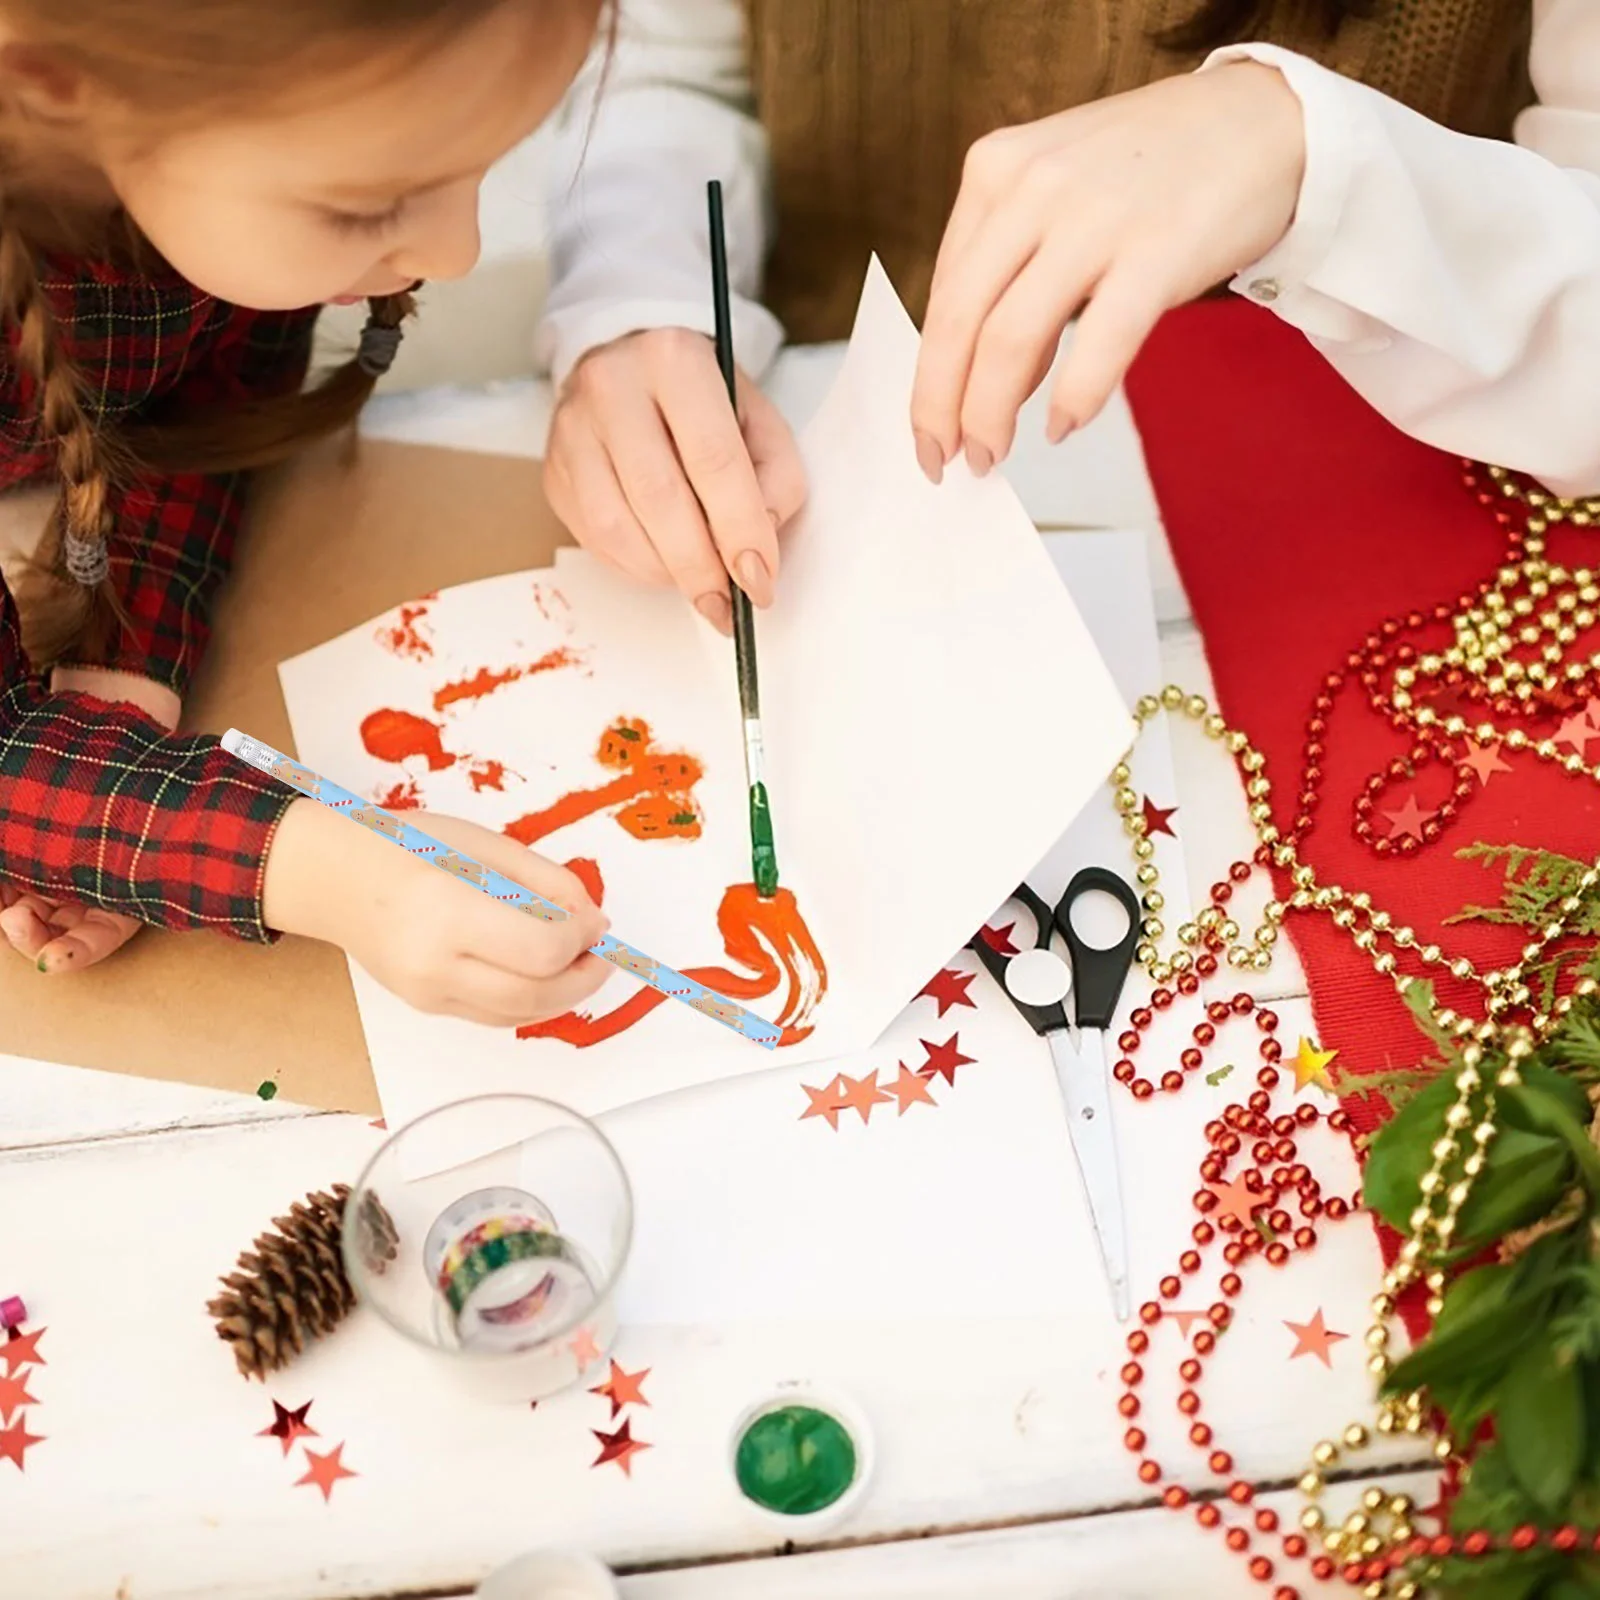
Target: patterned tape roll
(481, 1262)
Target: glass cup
(491, 1234)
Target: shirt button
(1265, 290)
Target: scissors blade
(1086, 1092)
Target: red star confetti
(22, 1348)
(1311, 1066)
(1483, 761)
(1236, 1199)
(911, 1089)
(288, 1425)
(1578, 731)
(378, 1122)
(623, 1389)
(325, 1470)
(1313, 1338)
(1156, 819)
(13, 1396)
(1409, 820)
(950, 989)
(943, 1059)
(825, 1102)
(862, 1094)
(14, 1442)
(620, 1447)
(1186, 1320)
(582, 1345)
(999, 939)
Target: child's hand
(1121, 210)
(61, 935)
(440, 944)
(66, 935)
(650, 469)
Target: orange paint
(404, 796)
(587, 873)
(653, 792)
(488, 775)
(767, 937)
(406, 637)
(399, 735)
(485, 682)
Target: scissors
(1038, 981)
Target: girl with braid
(183, 184)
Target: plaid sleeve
(175, 532)
(98, 803)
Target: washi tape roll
(483, 1261)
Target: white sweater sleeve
(636, 141)
(1455, 282)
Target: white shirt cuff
(567, 335)
(1334, 139)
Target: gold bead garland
(1456, 1162)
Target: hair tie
(379, 346)
(88, 562)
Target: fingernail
(1058, 427)
(715, 608)
(930, 457)
(978, 458)
(754, 577)
(777, 521)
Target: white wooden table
(1000, 1470)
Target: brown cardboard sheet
(340, 535)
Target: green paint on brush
(763, 853)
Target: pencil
(763, 852)
(624, 956)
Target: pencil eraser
(233, 742)
(12, 1312)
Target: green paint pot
(801, 1460)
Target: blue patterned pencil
(635, 962)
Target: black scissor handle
(1042, 1019)
(1098, 975)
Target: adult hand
(1117, 210)
(652, 471)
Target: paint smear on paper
(409, 636)
(403, 796)
(398, 736)
(486, 680)
(652, 798)
(488, 775)
(549, 600)
(768, 938)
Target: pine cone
(291, 1287)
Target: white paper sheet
(935, 713)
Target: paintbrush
(763, 853)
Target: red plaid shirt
(97, 801)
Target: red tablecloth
(1300, 519)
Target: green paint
(1214, 1078)
(795, 1460)
(266, 1090)
(681, 819)
(763, 853)
(628, 733)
